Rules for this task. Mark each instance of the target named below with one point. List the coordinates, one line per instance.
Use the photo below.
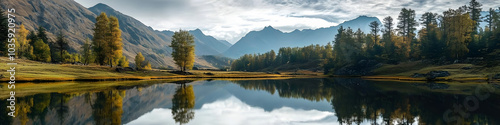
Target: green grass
(28, 70)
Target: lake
(256, 102)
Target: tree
(115, 41)
(101, 34)
(123, 62)
(42, 35)
(23, 47)
(183, 49)
(407, 24)
(375, 28)
(138, 60)
(474, 10)
(41, 51)
(387, 37)
(490, 19)
(87, 56)
(147, 66)
(61, 45)
(3, 31)
(457, 27)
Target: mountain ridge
(270, 38)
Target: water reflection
(183, 104)
(294, 101)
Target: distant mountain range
(77, 23)
(270, 38)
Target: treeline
(105, 48)
(453, 36)
(286, 55)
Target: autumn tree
(107, 41)
(123, 62)
(99, 41)
(457, 26)
(22, 41)
(61, 45)
(387, 37)
(115, 41)
(183, 49)
(138, 60)
(41, 51)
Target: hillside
(270, 38)
(77, 23)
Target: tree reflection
(107, 108)
(183, 104)
(356, 101)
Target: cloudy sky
(232, 19)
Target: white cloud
(232, 19)
(232, 111)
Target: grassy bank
(459, 72)
(29, 71)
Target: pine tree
(474, 10)
(183, 49)
(61, 45)
(3, 31)
(42, 35)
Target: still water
(263, 102)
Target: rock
(435, 74)
(209, 73)
(277, 73)
(181, 73)
(497, 76)
(417, 75)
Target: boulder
(497, 76)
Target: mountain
(270, 38)
(77, 23)
(204, 45)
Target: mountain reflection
(183, 104)
(292, 101)
(357, 101)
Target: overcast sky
(232, 19)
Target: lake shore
(33, 71)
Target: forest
(451, 37)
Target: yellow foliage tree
(183, 50)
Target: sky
(232, 19)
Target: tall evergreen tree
(3, 33)
(42, 35)
(183, 49)
(61, 45)
(474, 10)
(407, 24)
